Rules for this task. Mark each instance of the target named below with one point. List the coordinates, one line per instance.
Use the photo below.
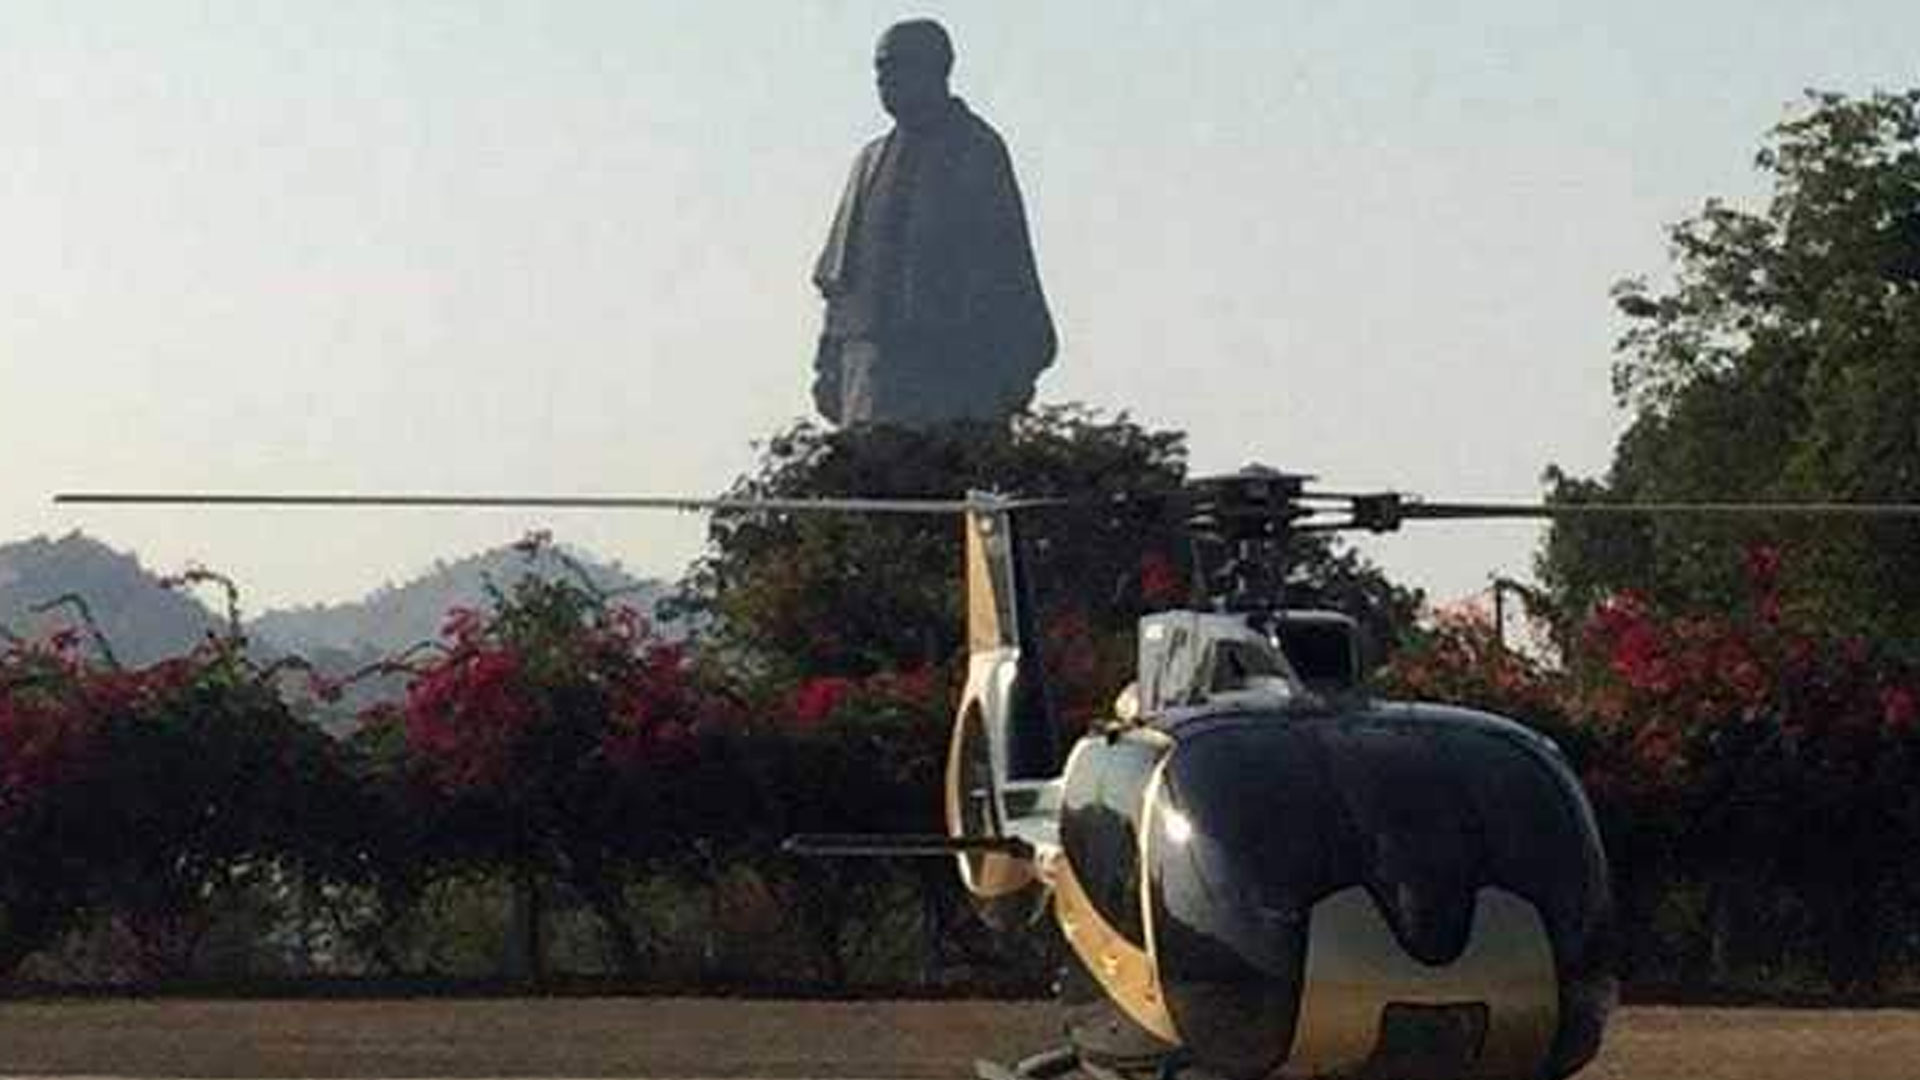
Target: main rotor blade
(557, 502)
(1455, 511)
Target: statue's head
(911, 65)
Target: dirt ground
(592, 1037)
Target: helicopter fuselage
(1369, 889)
(1260, 870)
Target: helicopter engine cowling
(1386, 891)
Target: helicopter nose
(1231, 953)
(1367, 895)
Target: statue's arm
(1012, 274)
(830, 269)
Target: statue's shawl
(966, 261)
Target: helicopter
(1258, 868)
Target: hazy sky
(555, 247)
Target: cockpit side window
(1236, 664)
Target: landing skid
(1064, 1060)
(1043, 1066)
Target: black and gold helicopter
(1260, 870)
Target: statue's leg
(861, 382)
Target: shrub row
(557, 784)
(558, 787)
(1757, 780)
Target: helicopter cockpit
(1195, 659)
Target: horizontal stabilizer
(908, 845)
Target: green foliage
(859, 594)
(813, 595)
(1781, 362)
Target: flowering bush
(47, 730)
(1776, 766)
(1774, 757)
(150, 796)
(553, 736)
(1762, 770)
(866, 753)
(556, 680)
(1459, 657)
(847, 754)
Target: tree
(1781, 362)
(852, 595)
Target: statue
(934, 309)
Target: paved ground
(844, 1041)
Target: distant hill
(397, 617)
(345, 638)
(143, 621)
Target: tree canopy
(1781, 361)
(855, 595)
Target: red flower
(1763, 565)
(653, 709)
(1160, 584)
(45, 739)
(465, 716)
(816, 699)
(1899, 708)
(1638, 656)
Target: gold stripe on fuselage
(1122, 968)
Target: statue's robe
(934, 307)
